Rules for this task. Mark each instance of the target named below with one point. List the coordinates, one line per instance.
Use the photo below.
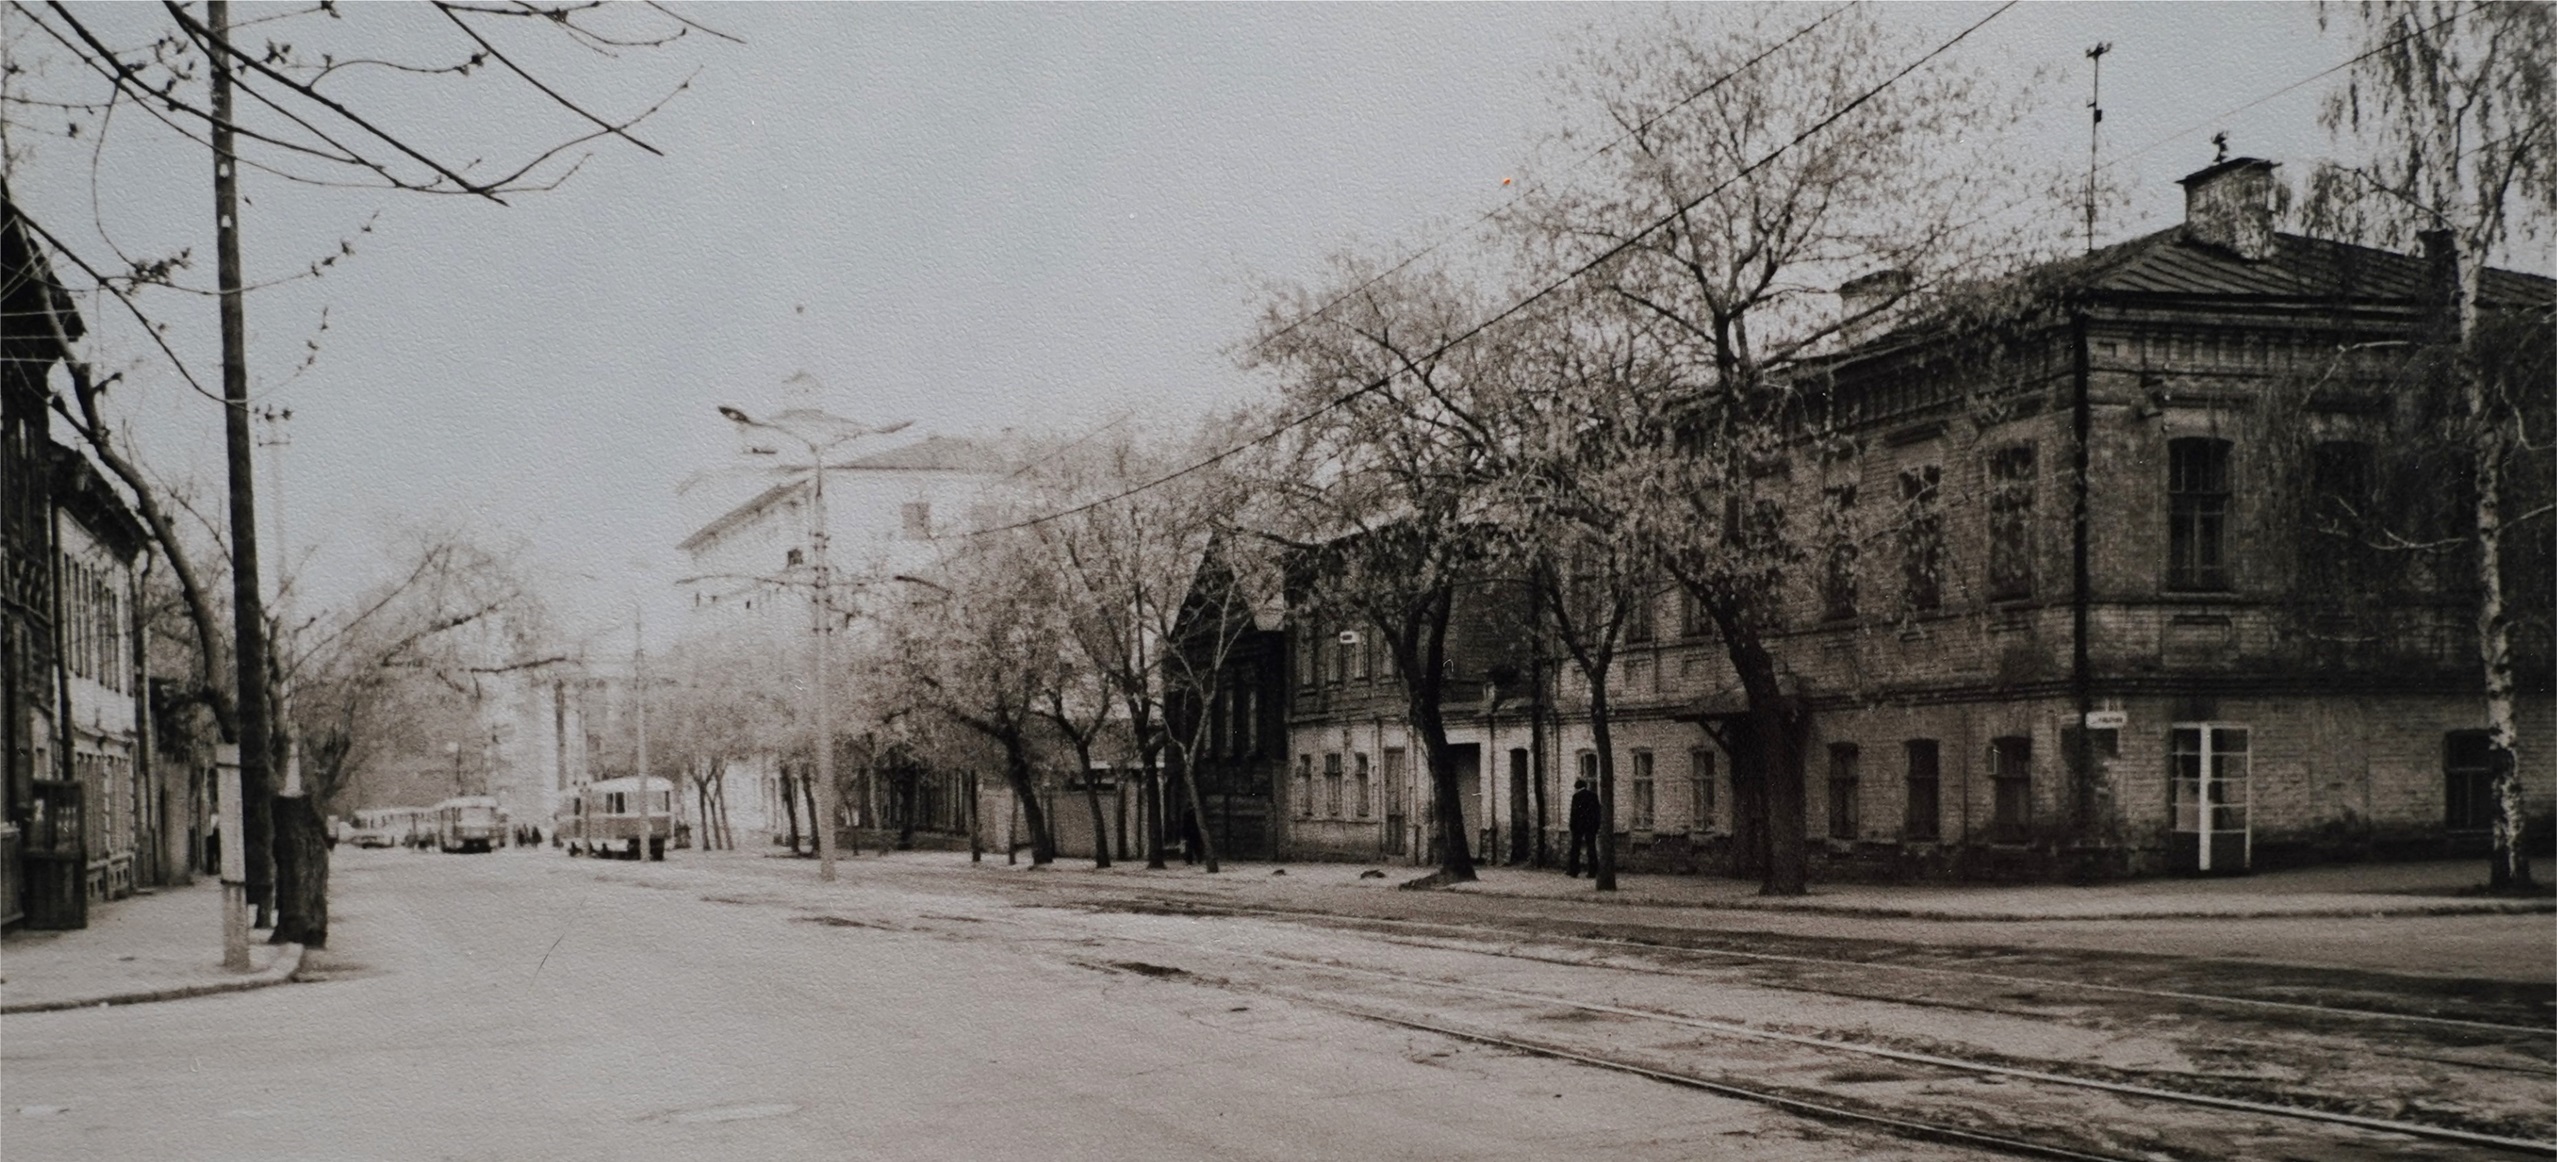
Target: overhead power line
(1325, 308)
(1531, 299)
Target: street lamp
(820, 433)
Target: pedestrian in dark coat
(1584, 829)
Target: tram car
(606, 818)
(387, 826)
(469, 823)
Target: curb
(1876, 912)
(288, 961)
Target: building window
(1838, 568)
(1643, 793)
(1247, 717)
(1358, 767)
(1305, 786)
(1700, 789)
(1356, 648)
(1337, 657)
(2197, 495)
(1925, 812)
(1308, 664)
(914, 520)
(2011, 780)
(2468, 780)
(1394, 783)
(2011, 523)
(1332, 785)
(1921, 539)
(1842, 790)
(1589, 768)
(1691, 614)
(1639, 625)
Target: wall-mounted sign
(2107, 719)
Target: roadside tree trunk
(302, 873)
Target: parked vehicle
(605, 818)
(387, 826)
(469, 823)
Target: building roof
(2169, 262)
(933, 454)
(2171, 267)
(951, 454)
(81, 492)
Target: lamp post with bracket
(820, 433)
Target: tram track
(1986, 1081)
(2545, 1033)
(1828, 1107)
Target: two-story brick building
(2072, 599)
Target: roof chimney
(1865, 303)
(2230, 205)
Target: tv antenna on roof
(2094, 132)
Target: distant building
(752, 570)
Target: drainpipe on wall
(2081, 680)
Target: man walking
(1584, 829)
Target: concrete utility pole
(248, 610)
(234, 870)
(639, 691)
(820, 433)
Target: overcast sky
(992, 216)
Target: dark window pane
(2197, 513)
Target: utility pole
(830, 433)
(639, 690)
(248, 610)
(2094, 132)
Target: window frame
(1922, 538)
(1642, 813)
(1846, 792)
(1701, 789)
(2013, 475)
(1925, 785)
(2198, 496)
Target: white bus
(605, 818)
(469, 823)
(388, 826)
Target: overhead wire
(1540, 294)
(1325, 308)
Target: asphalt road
(524, 1005)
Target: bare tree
(2452, 108)
(1750, 169)
(1379, 478)
(1125, 558)
(309, 122)
(383, 679)
(984, 649)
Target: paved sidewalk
(2446, 888)
(162, 946)
(2436, 888)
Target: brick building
(2208, 673)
